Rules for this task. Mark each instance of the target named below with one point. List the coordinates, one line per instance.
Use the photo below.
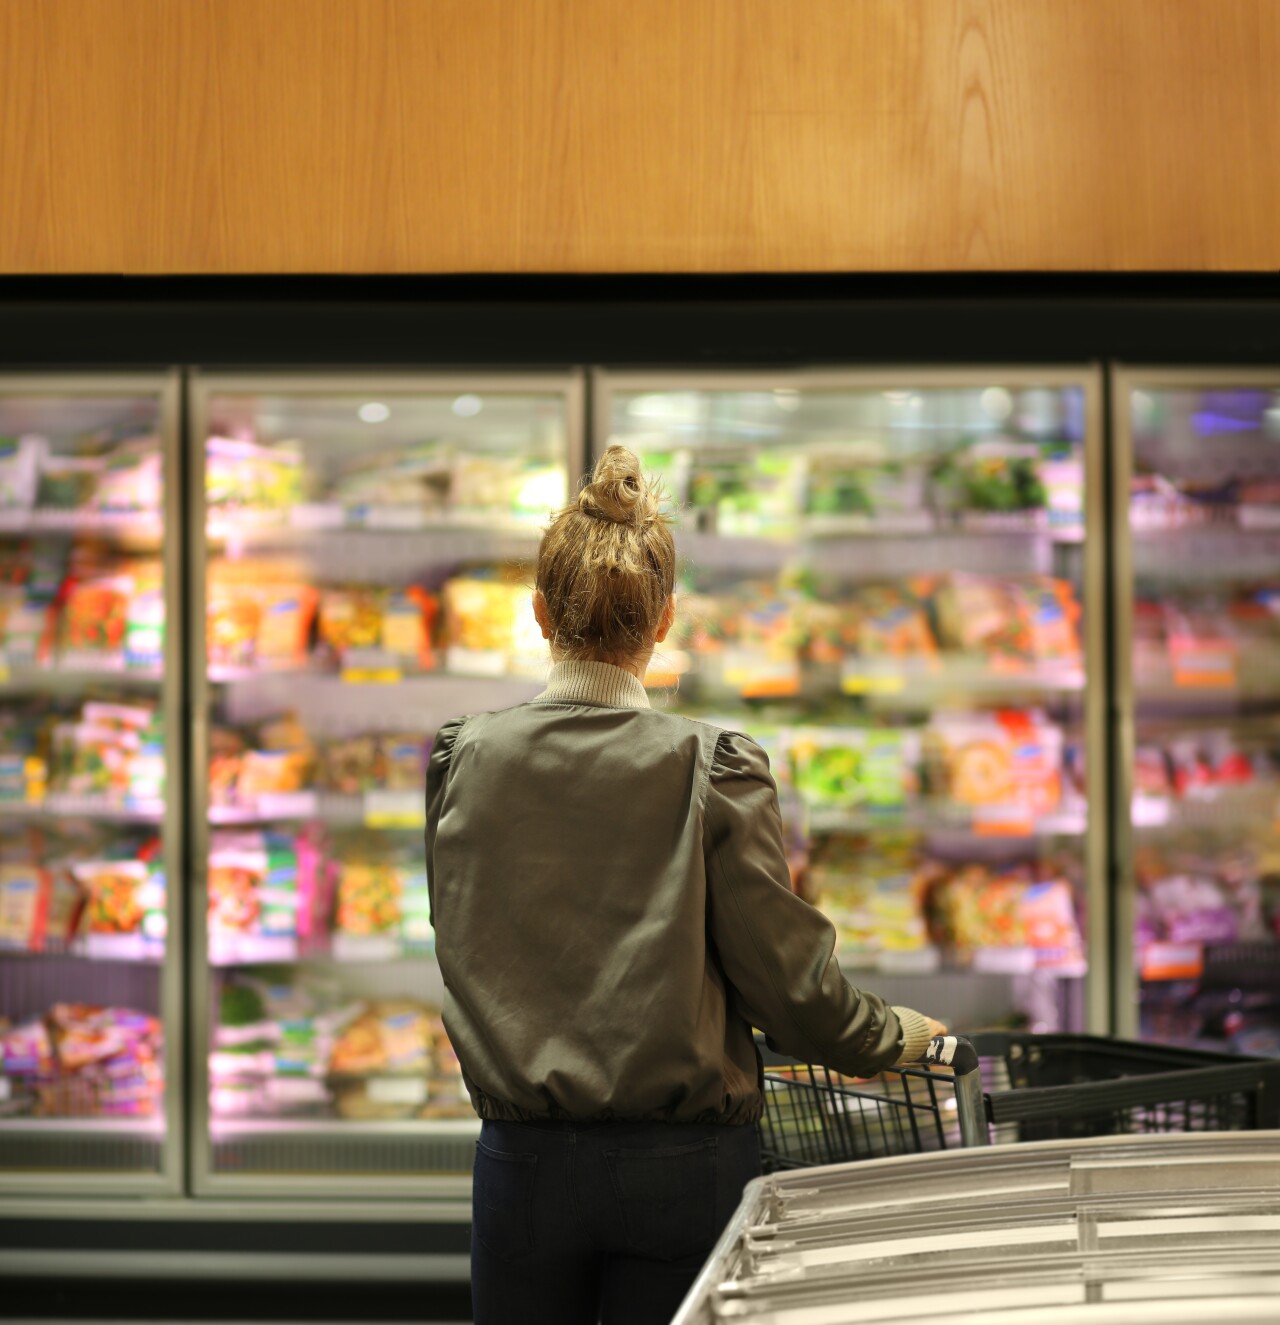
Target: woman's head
(607, 568)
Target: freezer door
(1197, 584)
(893, 581)
(362, 552)
(90, 776)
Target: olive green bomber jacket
(610, 897)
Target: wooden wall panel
(638, 135)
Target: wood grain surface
(652, 135)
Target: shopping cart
(1063, 1087)
(815, 1116)
(1008, 1087)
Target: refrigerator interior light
(467, 406)
(374, 412)
(997, 403)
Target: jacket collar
(597, 683)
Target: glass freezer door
(886, 582)
(1198, 654)
(90, 821)
(363, 574)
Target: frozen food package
(23, 901)
(260, 612)
(827, 765)
(260, 887)
(131, 479)
(243, 476)
(489, 623)
(1193, 909)
(352, 619)
(1050, 925)
(124, 897)
(1050, 614)
(20, 463)
(745, 490)
(1009, 757)
(889, 621)
(368, 898)
(976, 908)
(94, 617)
(980, 615)
(1000, 476)
(68, 482)
(408, 627)
(419, 476)
(861, 477)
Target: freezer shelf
(867, 562)
(363, 577)
(89, 740)
(1042, 1231)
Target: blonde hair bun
(618, 490)
(607, 564)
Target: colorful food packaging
(419, 476)
(1010, 757)
(23, 902)
(980, 615)
(888, 621)
(1050, 926)
(408, 627)
(871, 890)
(108, 1063)
(132, 477)
(95, 617)
(260, 613)
(859, 478)
(847, 767)
(1000, 476)
(20, 461)
(1050, 615)
(975, 909)
(68, 483)
(368, 898)
(746, 490)
(352, 619)
(244, 476)
(125, 896)
(489, 624)
(261, 885)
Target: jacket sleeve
(437, 780)
(777, 951)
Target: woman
(613, 916)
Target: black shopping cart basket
(1008, 1087)
(1065, 1087)
(815, 1116)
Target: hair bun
(618, 490)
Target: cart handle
(961, 1057)
(954, 1052)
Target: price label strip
(1203, 664)
(371, 667)
(394, 809)
(1011, 820)
(1172, 961)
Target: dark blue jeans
(609, 1222)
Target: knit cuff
(915, 1036)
